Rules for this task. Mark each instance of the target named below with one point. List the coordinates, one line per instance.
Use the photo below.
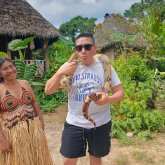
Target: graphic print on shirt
(85, 83)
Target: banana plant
(19, 45)
(25, 71)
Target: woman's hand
(5, 145)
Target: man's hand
(117, 95)
(104, 99)
(54, 82)
(67, 68)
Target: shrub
(134, 113)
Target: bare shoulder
(1, 86)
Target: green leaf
(36, 84)
(15, 45)
(20, 65)
(18, 44)
(26, 41)
(30, 71)
(3, 55)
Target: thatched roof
(19, 18)
(116, 23)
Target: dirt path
(140, 153)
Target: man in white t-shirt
(88, 77)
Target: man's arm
(53, 83)
(117, 95)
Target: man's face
(85, 49)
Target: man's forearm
(53, 83)
(116, 97)
(118, 94)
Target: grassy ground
(149, 152)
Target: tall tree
(77, 25)
(140, 10)
(149, 16)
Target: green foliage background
(77, 25)
(138, 112)
(59, 54)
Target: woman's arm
(35, 105)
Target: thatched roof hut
(104, 35)
(18, 19)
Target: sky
(58, 12)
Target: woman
(22, 139)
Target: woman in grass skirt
(22, 139)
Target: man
(87, 77)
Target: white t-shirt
(85, 80)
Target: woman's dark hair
(2, 60)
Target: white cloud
(89, 1)
(61, 11)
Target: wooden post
(46, 55)
(8, 51)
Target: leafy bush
(49, 103)
(134, 113)
(59, 53)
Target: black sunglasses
(86, 47)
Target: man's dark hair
(88, 35)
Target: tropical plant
(25, 71)
(123, 39)
(49, 103)
(3, 55)
(138, 11)
(58, 53)
(19, 45)
(137, 112)
(149, 18)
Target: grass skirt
(29, 145)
